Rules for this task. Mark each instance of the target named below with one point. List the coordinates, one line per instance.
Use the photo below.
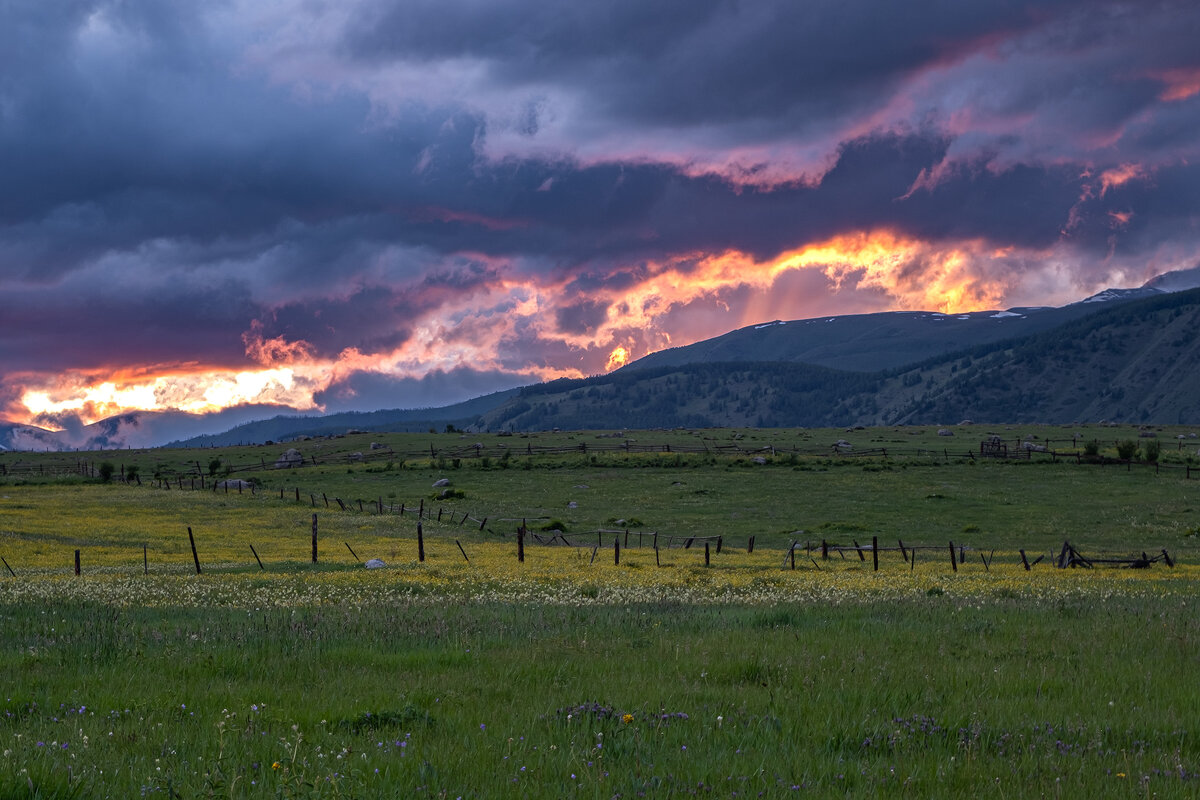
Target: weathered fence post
(706, 556)
(903, 552)
(420, 543)
(1024, 560)
(10, 569)
(314, 539)
(824, 550)
(521, 543)
(750, 545)
(953, 563)
(145, 560)
(875, 553)
(77, 560)
(464, 552)
(195, 557)
(351, 549)
(256, 558)
(616, 552)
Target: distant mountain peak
(1179, 280)
(1109, 295)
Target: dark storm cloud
(177, 175)
(690, 62)
(372, 390)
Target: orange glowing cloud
(910, 274)
(1118, 176)
(492, 327)
(618, 358)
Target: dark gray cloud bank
(370, 176)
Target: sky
(349, 205)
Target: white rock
(375, 563)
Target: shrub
(131, 473)
(1127, 450)
(106, 471)
(1151, 450)
(1091, 449)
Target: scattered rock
(375, 563)
(945, 432)
(1036, 448)
(1147, 435)
(291, 458)
(441, 482)
(572, 504)
(377, 446)
(355, 456)
(759, 460)
(842, 443)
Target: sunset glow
(618, 358)
(321, 207)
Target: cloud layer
(369, 204)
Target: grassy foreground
(568, 676)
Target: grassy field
(568, 675)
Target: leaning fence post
(256, 558)
(351, 549)
(464, 552)
(953, 563)
(1024, 560)
(195, 557)
(10, 569)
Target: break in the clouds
(367, 204)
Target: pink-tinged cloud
(301, 204)
(1179, 84)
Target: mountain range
(1122, 355)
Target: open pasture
(568, 675)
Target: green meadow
(474, 674)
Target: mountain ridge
(869, 346)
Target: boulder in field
(375, 563)
(291, 458)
